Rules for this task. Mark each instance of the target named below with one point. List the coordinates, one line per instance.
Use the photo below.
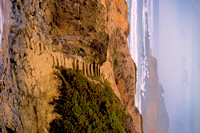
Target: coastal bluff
(85, 35)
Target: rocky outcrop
(86, 35)
(119, 57)
(5, 76)
(153, 106)
(152, 102)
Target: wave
(1, 25)
(133, 32)
(141, 31)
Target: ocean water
(140, 40)
(1, 25)
(2, 127)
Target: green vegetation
(136, 72)
(87, 107)
(116, 61)
(114, 52)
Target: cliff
(124, 67)
(85, 35)
(153, 106)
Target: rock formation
(153, 106)
(86, 35)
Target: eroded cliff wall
(86, 34)
(123, 66)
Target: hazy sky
(179, 62)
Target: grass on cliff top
(87, 107)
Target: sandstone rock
(46, 34)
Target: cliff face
(123, 65)
(86, 35)
(153, 106)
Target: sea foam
(1, 25)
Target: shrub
(114, 52)
(86, 107)
(116, 61)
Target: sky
(179, 62)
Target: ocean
(1, 25)
(140, 40)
